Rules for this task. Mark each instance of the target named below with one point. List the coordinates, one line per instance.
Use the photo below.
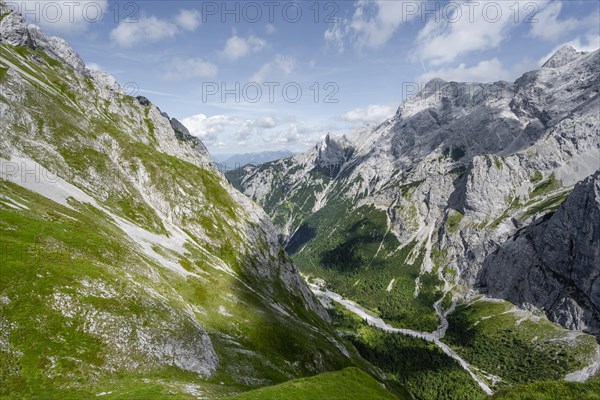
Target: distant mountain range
(228, 162)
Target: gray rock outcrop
(15, 32)
(554, 264)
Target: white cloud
(132, 32)
(145, 30)
(206, 128)
(290, 135)
(219, 128)
(185, 68)
(484, 71)
(94, 67)
(237, 47)
(242, 135)
(298, 136)
(188, 19)
(373, 24)
(281, 65)
(262, 123)
(65, 17)
(373, 113)
(591, 42)
(251, 127)
(472, 27)
(336, 35)
(550, 28)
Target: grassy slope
(556, 390)
(49, 250)
(358, 258)
(348, 384)
(252, 340)
(487, 335)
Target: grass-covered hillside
(358, 257)
(348, 384)
(552, 390)
(129, 266)
(514, 346)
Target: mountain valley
(449, 252)
(471, 195)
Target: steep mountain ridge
(452, 176)
(129, 264)
(552, 263)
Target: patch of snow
(34, 177)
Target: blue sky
(353, 61)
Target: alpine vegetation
(130, 266)
(448, 248)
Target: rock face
(331, 151)
(56, 48)
(12, 28)
(14, 32)
(553, 263)
(180, 129)
(562, 57)
(143, 100)
(459, 170)
(161, 267)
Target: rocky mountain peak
(12, 28)
(331, 151)
(15, 32)
(562, 57)
(499, 117)
(433, 86)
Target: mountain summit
(562, 57)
